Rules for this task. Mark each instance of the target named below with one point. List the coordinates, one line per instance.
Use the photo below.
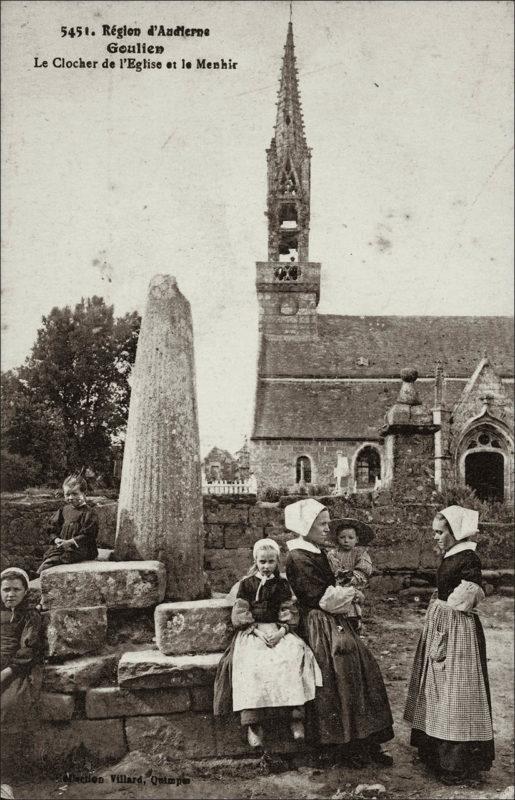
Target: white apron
(270, 677)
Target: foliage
(319, 490)
(489, 511)
(69, 402)
(271, 494)
(18, 472)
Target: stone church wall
(273, 462)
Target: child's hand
(58, 541)
(259, 634)
(274, 638)
(66, 545)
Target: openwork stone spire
(289, 126)
(288, 170)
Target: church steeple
(288, 170)
(288, 284)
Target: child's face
(74, 496)
(347, 538)
(266, 562)
(13, 592)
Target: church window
(368, 468)
(303, 470)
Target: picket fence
(230, 487)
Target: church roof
(295, 409)
(382, 346)
(374, 349)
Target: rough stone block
(201, 698)
(262, 515)
(199, 626)
(151, 669)
(56, 707)
(107, 523)
(75, 631)
(112, 701)
(213, 535)
(179, 736)
(124, 584)
(80, 673)
(226, 567)
(241, 536)
(102, 739)
(226, 513)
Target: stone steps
(151, 669)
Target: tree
(76, 377)
(33, 438)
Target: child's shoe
(255, 737)
(297, 729)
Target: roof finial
(291, 9)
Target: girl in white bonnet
(448, 704)
(268, 671)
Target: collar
(457, 548)
(301, 544)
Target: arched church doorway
(484, 472)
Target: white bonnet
(300, 516)
(463, 522)
(15, 572)
(262, 543)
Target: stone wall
(274, 461)
(403, 541)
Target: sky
(111, 175)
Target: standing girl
(448, 704)
(268, 671)
(73, 529)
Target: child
(268, 670)
(73, 529)
(21, 648)
(350, 562)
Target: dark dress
(21, 649)
(458, 663)
(80, 524)
(351, 708)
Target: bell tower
(288, 284)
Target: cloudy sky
(111, 176)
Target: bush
(319, 490)
(18, 472)
(271, 494)
(489, 510)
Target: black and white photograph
(257, 417)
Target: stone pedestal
(409, 442)
(130, 584)
(202, 626)
(160, 505)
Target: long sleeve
(362, 569)
(54, 525)
(466, 596)
(309, 576)
(31, 644)
(241, 615)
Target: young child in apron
(268, 671)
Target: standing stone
(160, 504)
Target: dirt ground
(392, 635)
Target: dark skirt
(352, 706)
(20, 703)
